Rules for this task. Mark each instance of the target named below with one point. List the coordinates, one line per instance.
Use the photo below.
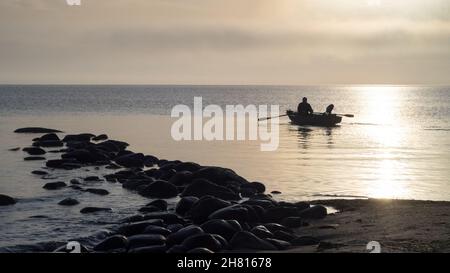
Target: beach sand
(398, 225)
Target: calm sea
(397, 146)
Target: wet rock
(36, 130)
(78, 137)
(151, 229)
(149, 208)
(235, 212)
(75, 182)
(58, 163)
(94, 209)
(55, 185)
(203, 187)
(262, 232)
(218, 175)
(302, 205)
(315, 212)
(200, 250)
(279, 244)
(130, 160)
(38, 172)
(185, 204)
(92, 179)
(48, 143)
(86, 156)
(273, 227)
(111, 243)
(14, 149)
(305, 241)
(201, 210)
(150, 161)
(247, 240)
(179, 236)
(260, 202)
(292, 222)
(113, 166)
(113, 146)
(159, 203)
(33, 158)
(100, 137)
(174, 227)
(275, 192)
(167, 217)
(138, 227)
(187, 167)
(34, 151)
(177, 249)
(202, 241)
(150, 249)
(76, 187)
(69, 202)
(257, 186)
(224, 228)
(49, 137)
(6, 200)
(276, 214)
(159, 189)
(145, 240)
(97, 191)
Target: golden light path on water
(382, 107)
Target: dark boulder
(284, 236)
(314, 212)
(218, 175)
(48, 143)
(292, 222)
(279, 244)
(54, 185)
(6, 200)
(14, 149)
(36, 130)
(185, 204)
(149, 249)
(224, 228)
(150, 161)
(34, 151)
(49, 137)
(75, 182)
(100, 137)
(203, 187)
(151, 229)
(78, 137)
(235, 212)
(202, 240)
(167, 217)
(179, 236)
(262, 232)
(149, 208)
(275, 227)
(187, 166)
(94, 209)
(174, 227)
(134, 228)
(276, 214)
(112, 146)
(159, 189)
(34, 158)
(181, 178)
(69, 202)
(97, 191)
(200, 250)
(130, 160)
(59, 163)
(177, 249)
(145, 240)
(85, 156)
(39, 172)
(92, 179)
(201, 210)
(111, 243)
(257, 186)
(159, 203)
(247, 240)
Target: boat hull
(314, 119)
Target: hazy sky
(225, 41)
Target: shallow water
(397, 146)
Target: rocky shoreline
(217, 210)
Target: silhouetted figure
(329, 109)
(304, 108)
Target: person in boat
(304, 108)
(329, 109)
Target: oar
(260, 119)
(343, 115)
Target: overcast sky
(225, 41)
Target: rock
(76, 187)
(94, 209)
(262, 232)
(14, 149)
(257, 186)
(200, 250)
(86, 156)
(260, 202)
(203, 187)
(78, 138)
(247, 240)
(275, 192)
(235, 212)
(48, 143)
(159, 189)
(151, 229)
(38, 172)
(69, 202)
(130, 160)
(49, 137)
(315, 212)
(218, 175)
(292, 222)
(177, 249)
(75, 182)
(138, 227)
(276, 214)
(284, 236)
(279, 244)
(204, 240)
(6, 200)
(55, 185)
(181, 178)
(36, 130)
(159, 203)
(31, 158)
(145, 240)
(201, 210)
(150, 161)
(150, 249)
(100, 137)
(97, 191)
(275, 227)
(302, 205)
(58, 163)
(187, 167)
(174, 227)
(34, 151)
(113, 146)
(305, 241)
(167, 217)
(111, 243)
(179, 236)
(113, 166)
(221, 227)
(92, 179)
(185, 204)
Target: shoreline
(220, 211)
